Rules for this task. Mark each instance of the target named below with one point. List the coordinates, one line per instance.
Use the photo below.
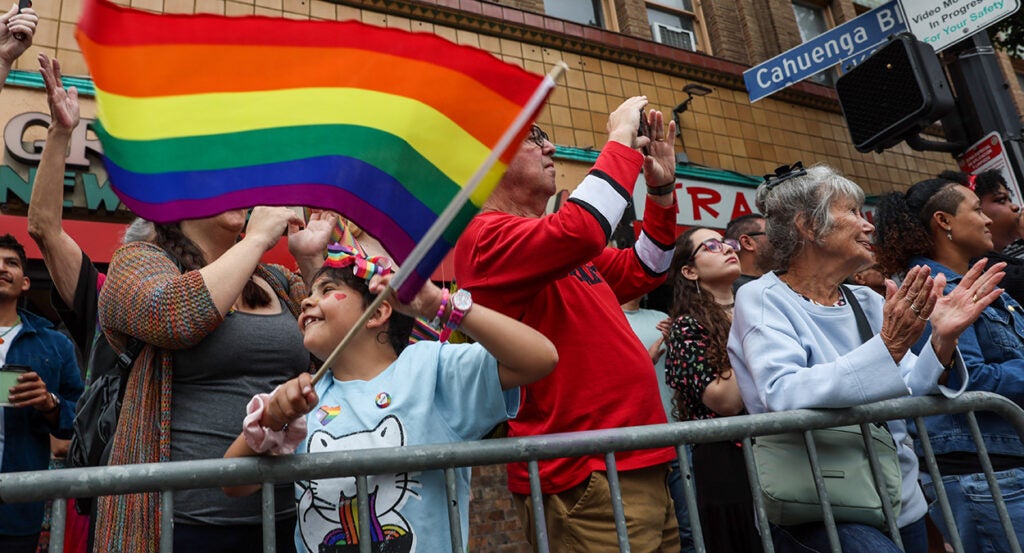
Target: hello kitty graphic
(328, 513)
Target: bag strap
(862, 321)
(125, 361)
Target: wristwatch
(461, 301)
(56, 403)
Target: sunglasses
(537, 136)
(714, 245)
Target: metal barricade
(169, 477)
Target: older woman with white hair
(795, 342)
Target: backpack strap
(125, 361)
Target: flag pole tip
(558, 70)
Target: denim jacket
(993, 351)
(51, 355)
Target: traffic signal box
(896, 92)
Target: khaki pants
(580, 519)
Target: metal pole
(983, 98)
(269, 519)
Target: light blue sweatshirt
(789, 353)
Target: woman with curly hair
(697, 367)
(942, 225)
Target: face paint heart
(339, 296)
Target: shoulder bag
(786, 481)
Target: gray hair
(808, 197)
(140, 230)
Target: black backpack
(100, 405)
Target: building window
(586, 12)
(812, 20)
(675, 23)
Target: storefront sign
(703, 203)
(84, 189)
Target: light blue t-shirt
(433, 393)
(645, 325)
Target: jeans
(675, 487)
(812, 538)
(975, 512)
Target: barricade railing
(212, 473)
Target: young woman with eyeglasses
(704, 267)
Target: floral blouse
(686, 366)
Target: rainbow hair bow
(340, 256)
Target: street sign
(988, 154)
(851, 40)
(942, 23)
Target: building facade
(614, 49)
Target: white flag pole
(453, 208)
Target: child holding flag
(383, 394)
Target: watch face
(462, 300)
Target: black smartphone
(644, 130)
(22, 4)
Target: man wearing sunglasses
(752, 247)
(554, 273)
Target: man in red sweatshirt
(555, 273)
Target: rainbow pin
(327, 413)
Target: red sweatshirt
(555, 274)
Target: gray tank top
(213, 381)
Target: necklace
(8, 331)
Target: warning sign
(988, 154)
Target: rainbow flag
(199, 114)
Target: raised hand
(660, 164)
(16, 32)
(624, 121)
(268, 224)
(312, 240)
(64, 109)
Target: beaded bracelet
(436, 324)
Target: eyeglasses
(752, 234)
(537, 136)
(714, 245)
(783, 173)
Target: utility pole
(983, 99)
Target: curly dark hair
(903, 221)
(688, 300)
(190, 257)
(399, 326)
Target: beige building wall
(721, 130)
